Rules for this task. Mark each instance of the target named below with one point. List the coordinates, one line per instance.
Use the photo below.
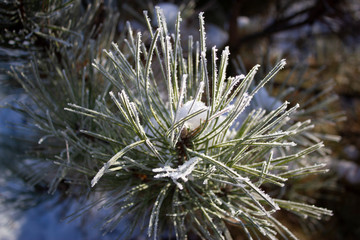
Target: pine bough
(169, 150)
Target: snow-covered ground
(46, 222)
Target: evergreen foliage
(152, 130)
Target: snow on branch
(182, 172)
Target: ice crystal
(182, 172)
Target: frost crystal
(191, 107)
(183, 171)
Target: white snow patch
(263, 99)
(191, 107)
(170, 12)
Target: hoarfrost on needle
(182, 172)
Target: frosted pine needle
(182, 172)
